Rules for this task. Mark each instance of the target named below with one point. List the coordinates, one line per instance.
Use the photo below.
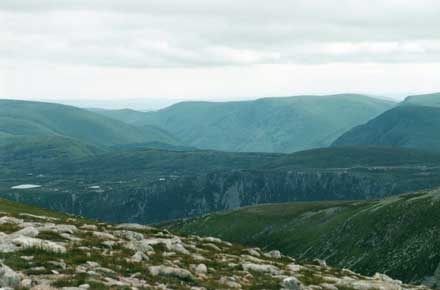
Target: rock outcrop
(70, 253)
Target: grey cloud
(163, 33)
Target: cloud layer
(217, 49)
(194, 33)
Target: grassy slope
(55, 154)
(139, 161)
(399, 236)
(265, 125)
(45, 119)
(88, 248)
(19, 154)
(404, 126)
(15, 208)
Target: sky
(161, 51)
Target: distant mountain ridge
(33, 119)
(284, 124)
(428, 100)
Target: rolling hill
(24, 118)
(398, 236)
(407, 126)
(265, 125)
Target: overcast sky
(217, 49)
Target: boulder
(89, 227)
(178, 248)
(201, 269)
(31, 232)
(139, 246)
(138, 257)
(27, 243)
(8, 277)
(319, 262)
(170, 271)
(291, 283)
(273, 254)
(10, 220)
(261, 268)
(253, 252)
(129, 235)
(104, 236)
(59, 228)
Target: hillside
(429, 100)
(36, 153)
(398, 236)
(265, 125)
(46, 250)
(145, 185)
(24, 118)
(415, 127)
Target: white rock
(129, 235)
(327, 286)
(261, 268)
(103, 235)
(8, 277)
(170, 271)
(291, 283)
(109, 244)
(229, 283)
(294, 267)
(10, 220)
(139, 257)
(213, 247)
(6, 246)
(179, 248)
(253, 252)
(31, 232)
(89, 227)
(26, 243)
(321, 263)
(198, 257)
(59, 228)
(273, 254)
(213, 240)
(26, 283)
(201, 269)
(141, 246)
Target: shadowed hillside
(415, 127)
(398, 235)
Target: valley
(368, 206)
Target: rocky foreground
(61, 252)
